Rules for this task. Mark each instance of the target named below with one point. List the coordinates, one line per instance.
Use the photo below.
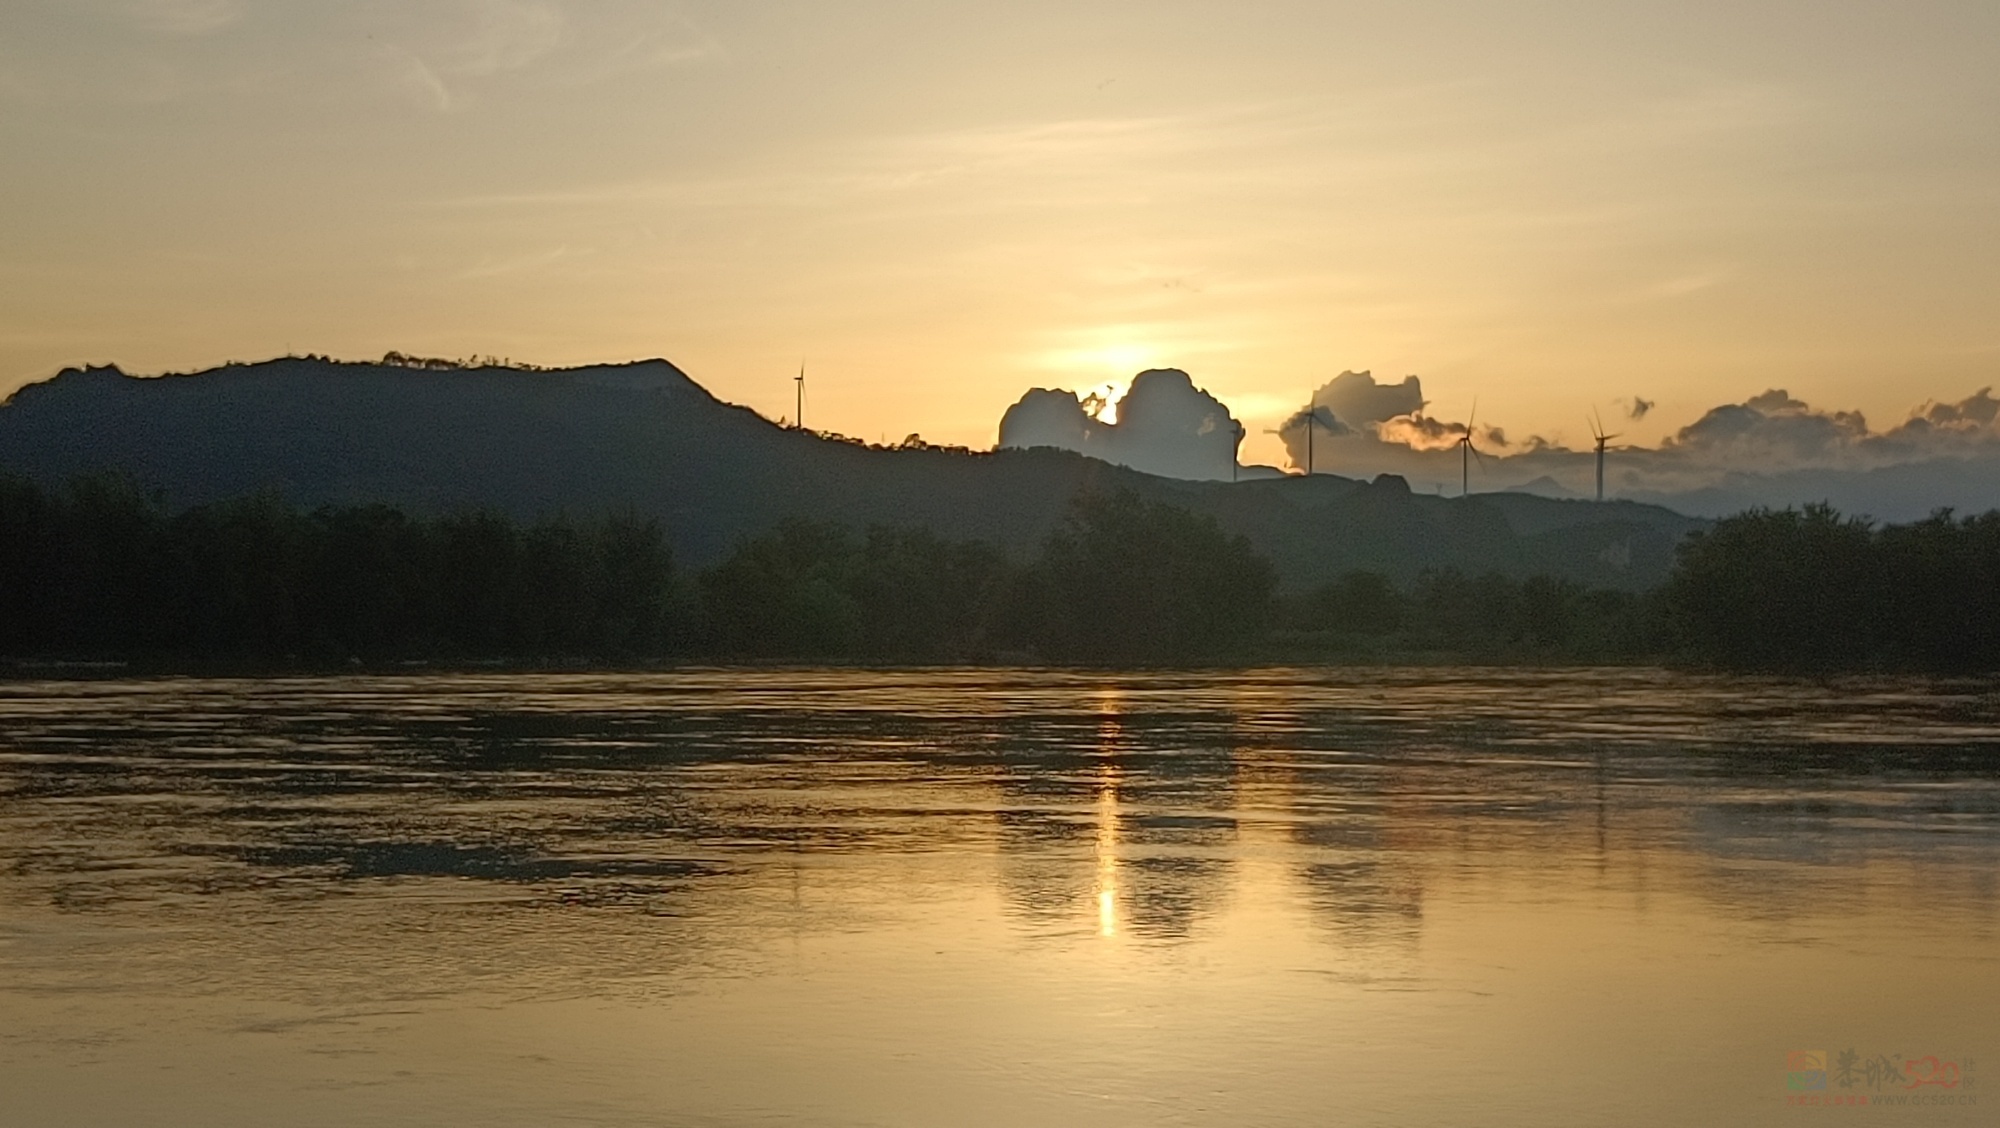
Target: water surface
(1278, 897)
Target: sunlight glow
(1107, 834)
(1103, 369)
(1101, 402)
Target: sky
(1547, 207)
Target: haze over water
(1276, 897)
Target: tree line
(99, 571)
(1810, 589)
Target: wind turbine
(1467, 452)
(1597, 432)
(799, 418)
(1312, 413)
(1312, 419)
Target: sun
(1102, 401)
(1108, 367)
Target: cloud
(185, 17)
(507, 35)
(674, 41)
(1367, 414)
(1770, 449)
(1325, 421)
(1420, 432)
(458, 49)
(1768, 428)
(1355, 398)
(1165, 426)
(419, 75)
(1974, 414)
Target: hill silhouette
(644, 438)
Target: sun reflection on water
(1107, 850)
(1110, 734)
(1061, 897)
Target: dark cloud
(1354, 410)
(1770, 449)
(1165, 426)
(1769, 428)
(1421, 432)
(1328, 423)
(1975, 412)
(1357, 400)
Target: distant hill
(644, 437)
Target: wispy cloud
(420, 78)
(184, 17)
(506, 35)
(466, 45)
(491, 267)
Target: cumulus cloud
(1769, 428)
(1770, 449)
(1165, 425)
(1322, 418)
(1776, 431)
(1357, 399)
(1975, 413)
(1362, 416)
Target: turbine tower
(1467, 452)
(799, 413)
(1312, 414)
(1597, 432)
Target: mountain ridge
(644, 437)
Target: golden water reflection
(1107, 850)
(986, 897)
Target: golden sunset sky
(938, 205)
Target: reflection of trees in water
(1356, 882)
(1804, 826)
(1045, 869)
(1163, 896)
(603, 791)
(1366, 900)
(1132, 836)
(1163, 872)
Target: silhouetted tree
(787, 594)
(1939, 607)
(812, 591)
(923, 598)
(1783, 589)
(98, 570)
(1356, 603)
(1125, 580)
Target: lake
(1000, 897)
